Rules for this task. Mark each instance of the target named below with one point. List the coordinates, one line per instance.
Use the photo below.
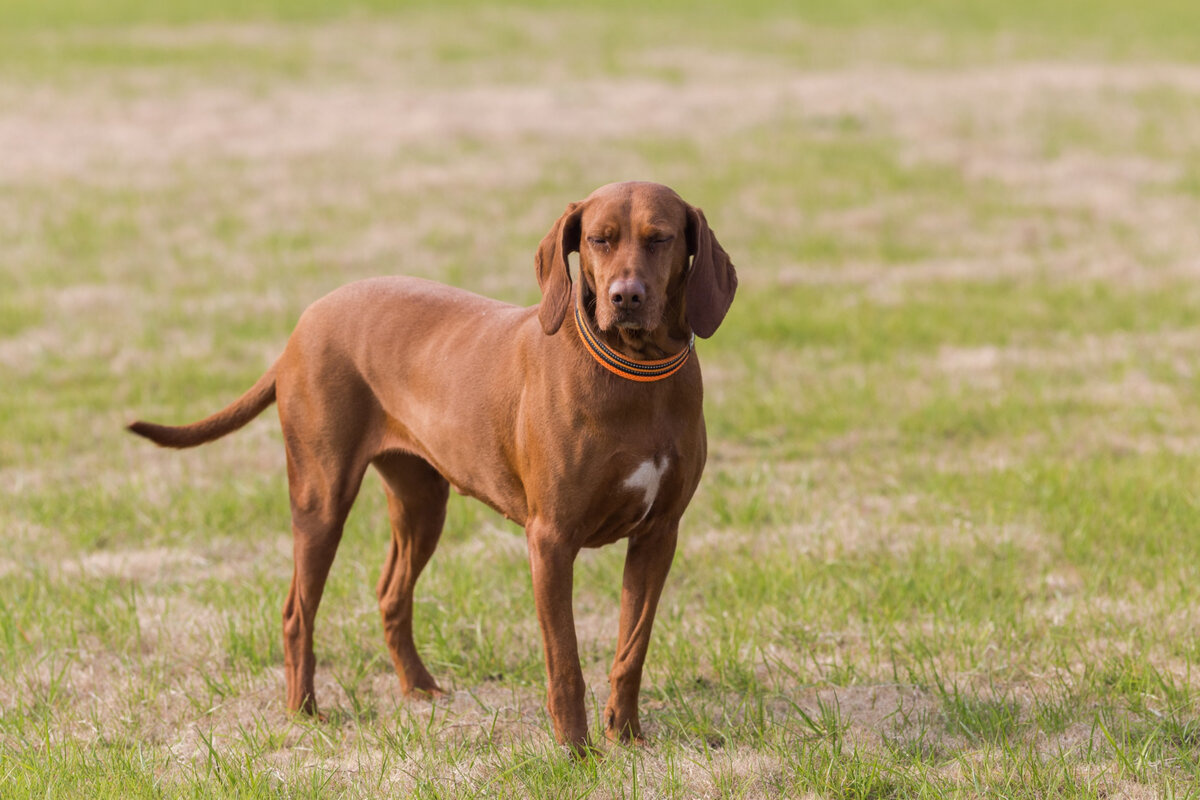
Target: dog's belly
(465, 447)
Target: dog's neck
(633, 365)
(639, 344)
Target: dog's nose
(627, 293)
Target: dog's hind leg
(315, 537)
(416, 496)
(325, 471)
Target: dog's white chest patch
(647, 478)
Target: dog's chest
(635, 490)
(645, 480)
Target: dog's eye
(598, 241)
(656, 241)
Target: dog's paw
(426, 691)
(623, 730)
(582, 749)
(625, 737)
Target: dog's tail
(227, 420)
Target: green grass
(946, 542)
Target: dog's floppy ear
(712, 280)
(553, 271)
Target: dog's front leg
(646, 565)
(552, 565)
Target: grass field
(948, 541)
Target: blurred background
(948, 536)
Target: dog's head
(644, 254)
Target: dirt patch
(1077, 353)
(154, 564)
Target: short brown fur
(440, 388)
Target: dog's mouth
(627, 321)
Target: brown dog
(579, 418)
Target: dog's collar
(641, 371)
